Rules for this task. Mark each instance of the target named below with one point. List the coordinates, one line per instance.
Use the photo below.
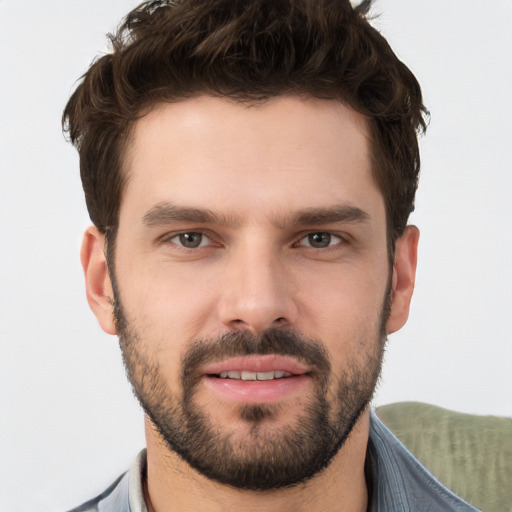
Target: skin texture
(269, 176)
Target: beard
(268, 456)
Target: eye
(191, 240)
(320, 240)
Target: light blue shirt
(398, 482)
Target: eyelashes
(191, 240)
(320, 240)
(197, 239)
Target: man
(249, 167)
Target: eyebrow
(338, 213)
(166, 213)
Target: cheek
(343, 311)
(165, 310)
(163, 292)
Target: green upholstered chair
(469, 454)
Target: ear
(97, 281)
(404, 275)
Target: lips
(277, 374)
(256, 364)
(256, 379)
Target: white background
(68, 422)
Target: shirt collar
(137, 478)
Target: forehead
(285, 153)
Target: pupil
(190, 240)
(320, 240)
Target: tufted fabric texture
(470, 454)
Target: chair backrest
(469, 454)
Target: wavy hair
(247, 50)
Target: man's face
(252, 245)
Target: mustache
(244, 343)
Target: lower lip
(257, 391)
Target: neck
(173, 485)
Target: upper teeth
(278, 374)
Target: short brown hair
(247, 50)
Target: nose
(257, 292)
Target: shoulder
(112, 499)
(123, 495)
(402, 482)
